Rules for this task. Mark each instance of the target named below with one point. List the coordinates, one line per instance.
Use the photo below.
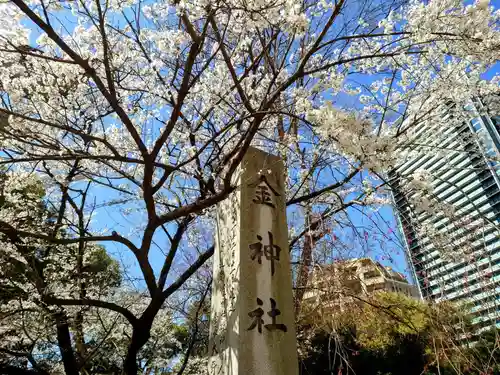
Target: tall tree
(51, 297)
(135, 116)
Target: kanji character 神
(270, 251)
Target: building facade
(334, 286)
(453, 245)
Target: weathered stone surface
(252, 325)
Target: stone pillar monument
(252, 328)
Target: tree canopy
(43, 299)
(390, 333)
(123, 124)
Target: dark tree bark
(13, 370)
(140, 337)
(141, 334)
(64, 342)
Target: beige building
(335, 285)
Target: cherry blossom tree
(135, 115)
(39, 281)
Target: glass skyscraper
(455, 256)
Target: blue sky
(377, 232)
(382, 244)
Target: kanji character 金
(262, 196)
(263, 192)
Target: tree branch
(174, 245)
(189, 272)
(326, 189)
(16, 235)
(84, 64)
(94, 303)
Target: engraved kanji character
(214, 350)
(270, 251)
(257, 250)
(273, 314)
(262, 196)
(257, 317)
(262, 192)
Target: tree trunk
(306, 260)
(140, 337)
(64, 342)
(141, 333)
(303, 276)
(79, 335)
(13, 370)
